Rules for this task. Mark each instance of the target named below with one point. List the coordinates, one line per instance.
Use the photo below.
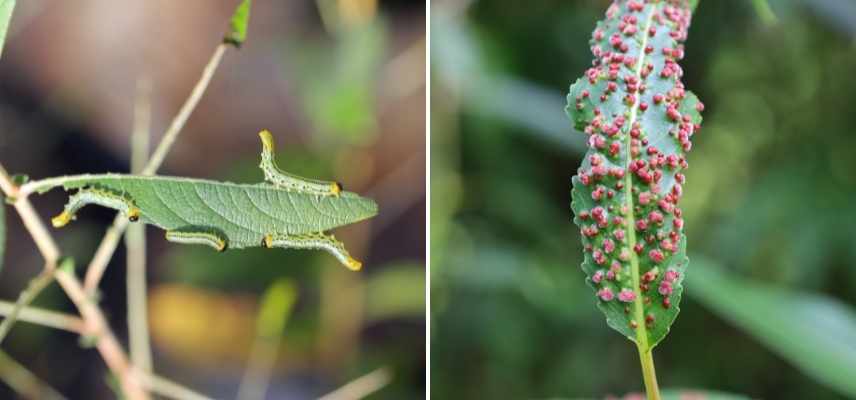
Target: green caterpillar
(97, 196)
(286, 211)
(289, 181)
(206, 238)
(317, 241)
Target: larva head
(336, 188)
(62, 219)
(133, 214)
(353, 265)
(267, 140)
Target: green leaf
(288, 212)
(815, 333)
(625, 195)
(6, 7)
(238, 24)
(244, 213)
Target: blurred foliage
(815, 333)
(338, 82)
(767, 195)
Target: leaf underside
(639, 120)
(240, 213)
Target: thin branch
(165, 387)
(25, 382)
(107, 344)
(48, 318)
(135, 239)
(178, 122)
(96, 268)
(26, 297)
(362, 386)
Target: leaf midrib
(45, 185)
(630, 228)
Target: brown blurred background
(340, 83)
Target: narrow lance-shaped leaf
(813, 332)
(639, 120)
(237, 33)
(287, 211)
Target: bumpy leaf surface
(243, 213)
(639, 120)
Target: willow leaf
(224, 214)
(639, 120)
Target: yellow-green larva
(317, 241)
(289, 181)
(100, 197)
(206, 238)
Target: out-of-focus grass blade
(6, 7)
(275, 309)
(815, 333)
(397, 291)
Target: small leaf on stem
(238, 24)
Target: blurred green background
(340, 83)
(768, 310)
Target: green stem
(645, 357)
(649, 376)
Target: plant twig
(25, 382)
(184, 113)
(164, 387)
(105, 251)
(135, 240)
(43, 317)
(107, 344)
(35, 287)
(362, 386)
